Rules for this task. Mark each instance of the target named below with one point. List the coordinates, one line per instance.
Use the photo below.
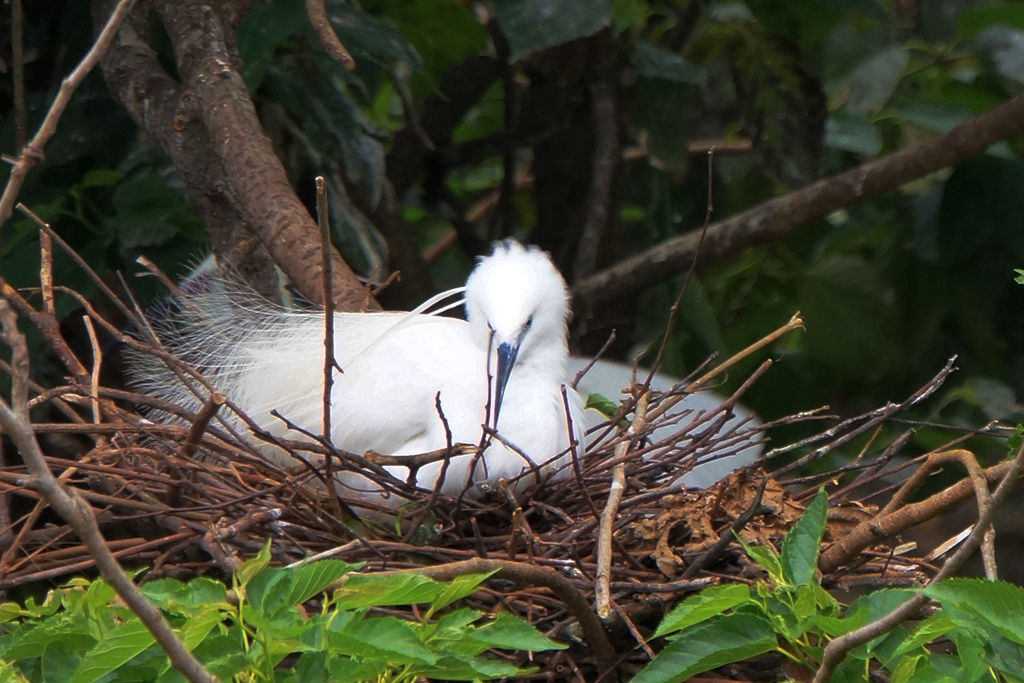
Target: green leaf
(935, 626)
(386, 638)
(849, 312)
(654, 61)
(252, 567)
(363, 590)
(870, 85)
(766, 559)
(368, 38)
(981, 16)
(705, 605)
(310, 579)
(533, 25)
(512, 633)
(852, 134)
(998, 605)
(116, 648)
(802, 544)
(459, 588)
(727, 639)
(262, 30)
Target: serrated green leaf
(310, 579)
(996, 604)
(253, 566)
(365, 590)
(765, 558)
(512, 633)
(383, 638)
(458, 588)
(801, 546)
(116, 648)
(709, 603)
(727, 639)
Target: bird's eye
(529, 323)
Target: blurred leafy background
(889, 288)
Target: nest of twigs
(595, 561)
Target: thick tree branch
(777, 217)
(208, 125)
(888, 524)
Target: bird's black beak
(507, 353)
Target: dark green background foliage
(889, 288)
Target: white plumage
(393, 365)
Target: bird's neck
(549, 362)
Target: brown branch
(836, 650)
(65, 502)
(883, 526)
(329, 40)
(207, 123)
(33, 151)
(777, 217)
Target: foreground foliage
(259, 632)
(976, 635)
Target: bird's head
(517, 304)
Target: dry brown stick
(94, 376)
(836, 650)
(532, 575)
(329, 40)
(795, 323)
(33, 151)
(602, 591)
(981, 495)
(15, 420)
(879, 528)
(777, 217)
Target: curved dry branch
(887, 524)
(777, 217)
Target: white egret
(393, 365)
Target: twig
(709, 209)
(330, 363)
(97, 363)
(836, 650)
(593, 361)
(602, 592)
(33, 151)
(65, 502)
(329, 40)
(881, 527)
